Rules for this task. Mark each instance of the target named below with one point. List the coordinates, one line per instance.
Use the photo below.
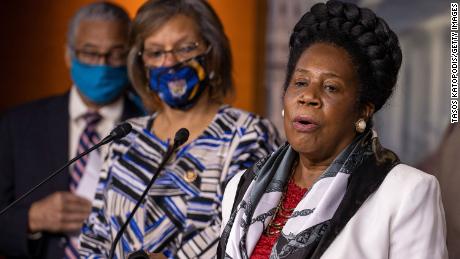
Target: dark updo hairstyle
(371, 44)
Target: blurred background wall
(33, 41)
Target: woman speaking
(333, 191)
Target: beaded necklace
(275, 228)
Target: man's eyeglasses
(181, 53)
(114, 57)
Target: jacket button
(62, 242)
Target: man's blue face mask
(101, 84)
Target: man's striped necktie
(88, 138)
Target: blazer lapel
(130, 110)
(363, 182)
(58, 142)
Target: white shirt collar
(78, 108)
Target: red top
(292, 197)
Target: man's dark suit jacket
(33, 143)
(443, 163)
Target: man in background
(41, 136)
(443, 164)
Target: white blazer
(403, 219)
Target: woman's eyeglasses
(181, 53)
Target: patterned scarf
(312, 216)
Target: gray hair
(102, 11)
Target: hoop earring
(360, 125)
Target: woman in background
(333, 191)
(180, 63)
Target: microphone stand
(180, 138)
(102, 142)
(168, 154)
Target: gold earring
(360, 125)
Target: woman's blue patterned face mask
(181, 85)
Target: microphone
(117, 133)
(180, 138)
